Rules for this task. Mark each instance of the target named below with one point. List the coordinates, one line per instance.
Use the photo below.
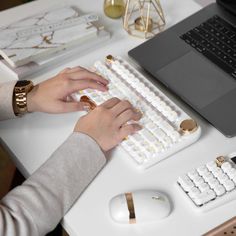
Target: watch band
(22, 88)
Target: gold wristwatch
(22, 88)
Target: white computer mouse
(139, 206)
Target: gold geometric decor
(143, 18)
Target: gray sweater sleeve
(37, 206)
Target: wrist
(31, 103)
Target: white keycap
(234, 180)
(185, 182)
(205, 197)
(173, 116)
(151, 126)
(226, 166)
(207, 175)
(202, 170)
(213, 182)
(217, 171)
(229, 185)
(219, 190)
(140, 157)
(193, 174)
(223, 178)
(203, 187)
(198, 200)
(231, 172)
(194, 192)
(211, 165)
(147, 135)
(198, 181)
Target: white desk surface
(33, 138)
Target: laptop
(196, 59)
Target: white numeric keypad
(212, 184)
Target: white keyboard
(210, 185)
(166, 128)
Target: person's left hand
(51, 96)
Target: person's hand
(107, 123)
(52, 95)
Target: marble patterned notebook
(45, 34)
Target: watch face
(21, 83)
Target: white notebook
(57, 59)
(42, 35)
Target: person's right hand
(107, 123)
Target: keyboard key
(229, 185)
(219, 190)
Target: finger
(121, 107)
(128, 115)
(110, 103)
(85, 74)
(127, 130)
(77, 85)
(74, 106)
(75, 69)
(65, 70)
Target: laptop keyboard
(166, 127)
(216, 40)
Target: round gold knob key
(109, 58)
(188, 126)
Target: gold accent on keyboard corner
(130, 205)
(188, 126)
(219, 161)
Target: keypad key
(226, 166)
(194, 192)
(229, 185)
(219, 190)
(211, 165)
(185, 182)
(193, 175)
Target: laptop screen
(230, 5)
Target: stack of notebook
(34, 43)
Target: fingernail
(139, 127)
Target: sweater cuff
(6, 95)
